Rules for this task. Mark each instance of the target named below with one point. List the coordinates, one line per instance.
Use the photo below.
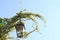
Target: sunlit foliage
(7, 24)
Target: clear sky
(48, 8)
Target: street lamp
(19, 29)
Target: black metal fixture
(19, 28)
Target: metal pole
(20, 5)
(20, 9)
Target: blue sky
(50, 9)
